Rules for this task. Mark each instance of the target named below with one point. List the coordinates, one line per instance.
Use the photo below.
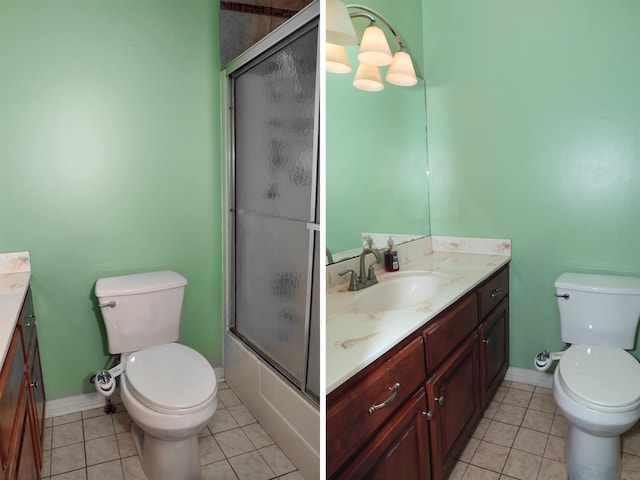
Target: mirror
(376, 162)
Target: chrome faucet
(329, 257)
(358, 282)
(371, 276)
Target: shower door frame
(301, 23)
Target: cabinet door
(454, 399)
(37, 400)
(494, 350)
(400, 450)
(28, 467)
(11, 384)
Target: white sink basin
(399, 290)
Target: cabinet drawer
(364, 407)
(493, 291)
(444, 333)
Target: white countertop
(355, 339)
(15, 273)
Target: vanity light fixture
(336, 59)
(374, 50)
(368, 78)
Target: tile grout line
(115, 426)
(556, 432)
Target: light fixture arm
(373, 15)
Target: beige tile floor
(92, 445)
(521, 436)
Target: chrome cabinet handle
(32, 320)
(394, 392)
(486, 341)
(428, 414)
(496, 292)
(35, 384)
(439, 399)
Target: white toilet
(597, 383)
(168, 389)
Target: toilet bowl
(597, 389)
(168, 389)
(170, 394)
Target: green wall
(534, 134)
(110, 163)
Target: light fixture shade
(368, 78)
(336, 59)
(374, 49)
(339, 27)
(401, 70)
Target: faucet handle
(353, 281)
(371, 275)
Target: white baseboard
(73, 404)
(87, 401)
(530, 377)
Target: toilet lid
(604, 378)
(170, 378)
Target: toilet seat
(605, 379)
(172, 379)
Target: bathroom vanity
(407, 386)
(22, 397)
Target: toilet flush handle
(110, 304)
(562, 295)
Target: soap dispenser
(391, 263)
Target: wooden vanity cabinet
(447, 371)
(22, 402)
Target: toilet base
(588, 457)
(167, 459)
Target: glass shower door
(275, 164)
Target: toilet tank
(598, 309)
(141, 310)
